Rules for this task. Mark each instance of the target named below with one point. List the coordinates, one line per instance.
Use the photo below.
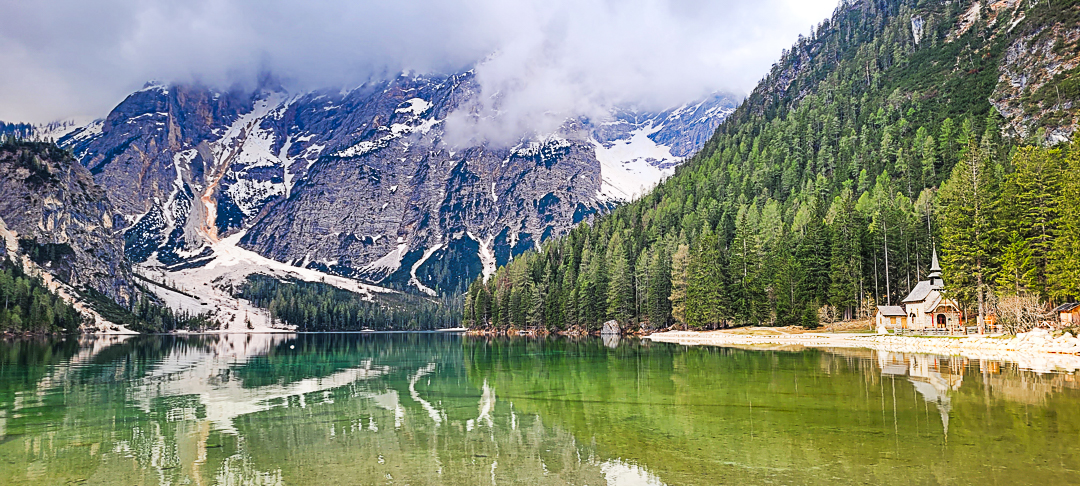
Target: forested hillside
(29, 307)
(871, 141)
(316, 306)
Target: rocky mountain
(360, 183)
(1039, 74)
(53, 213)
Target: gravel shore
(1037, 350)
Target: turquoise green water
(444, 409)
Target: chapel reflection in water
(431, 409)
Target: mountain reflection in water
(447, 409)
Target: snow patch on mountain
(249, 194)
(413, 280)
(209, 287)
(425, 126)
(289, 175)
(234, 141)
(357, 150)
(256, 149)
(397, 130)
(417, 106)
(692, 111)
(390, 262)
(632, 166)
(61, 128)
(86, 132)
(543, 148)
(486, 254)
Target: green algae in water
(445, 409)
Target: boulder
(611, 328)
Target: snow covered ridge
(228, 267)
(59, 129)
(359, 183)
(631, 167)
(53, 131)
(646, 147)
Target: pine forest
(869, 145)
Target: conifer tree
(658, 291)
(708, 303)
(845, 265)
(679, 281)
(620, 297)
(1064, 266)
(967, 211)
(1030, 198)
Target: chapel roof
(919, 293)
(934, 299)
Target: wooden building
(1068, 314)
(891, 317)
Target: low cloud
(542, 60)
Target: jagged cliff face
(61, 220)
(360, 183)
(1034, 45)
(1039, 77)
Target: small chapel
(925, 307)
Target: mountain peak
(360, 183)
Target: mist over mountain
(536, 62)
(361, 183)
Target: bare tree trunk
(981, 295)
(978, 243)
(888, 290)
(877, 289)
(907, 256)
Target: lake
(270, 409)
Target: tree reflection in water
(447, 409)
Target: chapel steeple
(935, 273)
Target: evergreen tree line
(316, 306)
(29, 306)
(147, 314)
(819, 197)
(16, 131)
(36, 150)
(1011, 227)
(151, 315)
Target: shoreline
(217, 332)
(1037, 350)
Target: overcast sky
(68, 58)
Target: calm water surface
(444, 409)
